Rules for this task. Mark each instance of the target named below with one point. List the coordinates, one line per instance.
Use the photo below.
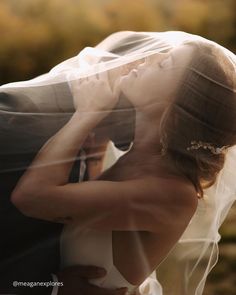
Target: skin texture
(143, 187)
(149, 83)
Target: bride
(130, 217)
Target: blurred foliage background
(35, 35)
(38, 34)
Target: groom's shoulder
(13, 100)
(48, 98)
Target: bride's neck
(147, 146)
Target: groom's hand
(75, 281)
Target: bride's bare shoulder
(180, 190)
(177, 196)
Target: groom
(29, 248)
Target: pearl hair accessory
(206, 145)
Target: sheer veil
(185, 269)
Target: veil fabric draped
(185, 269)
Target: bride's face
(157, 78)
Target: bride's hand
(94, 94)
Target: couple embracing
(162, 98)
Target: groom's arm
(48, 98)
(28, 118)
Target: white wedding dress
(92, 247)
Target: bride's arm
(44, 192)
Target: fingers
(116, 87)
(121, 291)
(94, 290)
(75, 278)
(74, 85)
(86, 272)
(103, 76)
(90, 272)
(74, 82)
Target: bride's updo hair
(204, 109)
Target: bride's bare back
(137, 253)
